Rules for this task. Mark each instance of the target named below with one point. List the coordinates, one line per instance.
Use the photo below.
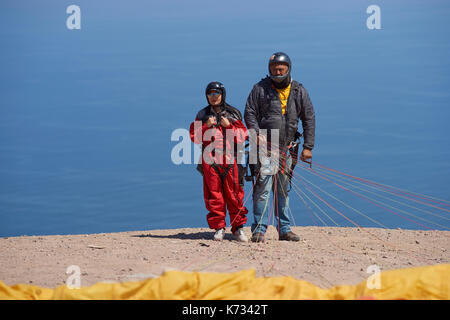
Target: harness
(224, 174)
(226, 168)
(294, 156)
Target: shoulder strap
(298, 87)
(202, 114)
(234, 112)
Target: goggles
(214, 93)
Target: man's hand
(224, 122)
(262, 139)
(211, 122)
(306, 154)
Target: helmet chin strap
(283, 83)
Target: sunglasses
(214, 93)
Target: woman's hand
(211, 122)
(224, 122)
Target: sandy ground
(325, 256)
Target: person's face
(214, 98)
(278, 69)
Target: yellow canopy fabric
(429, 282)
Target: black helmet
(215, 85)
(280, 57)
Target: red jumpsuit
(221, 186)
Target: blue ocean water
(86, 115)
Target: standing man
(278, 102)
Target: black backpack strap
(294, 150)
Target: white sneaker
(218, 236)
(239, 235)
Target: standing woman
(223, 126)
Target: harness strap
(224, 173)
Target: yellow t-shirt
(284, 95)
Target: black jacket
(263, 111)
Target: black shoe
(258, 237)
(289, 236)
